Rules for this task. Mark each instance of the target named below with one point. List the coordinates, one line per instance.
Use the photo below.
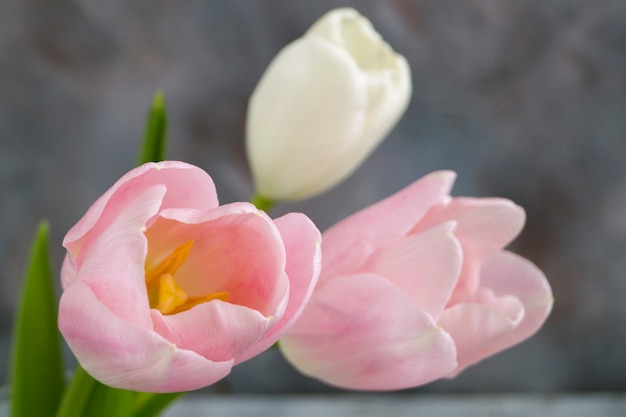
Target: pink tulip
(165, 290)
(415, 288)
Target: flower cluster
(165, 290)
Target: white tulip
(323, 105)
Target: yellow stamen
(165, 294)
(170, 264)
(194, 301)
(171, 296)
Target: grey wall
(524, 99)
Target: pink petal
(507, 305)
(425, 266)
(302, 244)
(509, 274)
(484, 226)
(126, 215)
(187, 186)
(125, 356)
(217, 330)
(196, 216)
(237, 251)
(113, 262)
(351, 241)
(474, 328)
(362, 332)
(516, 300)
(468, 281)
(68, 271)
(91, 217)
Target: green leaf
(150, 405)
(87, 397)
(154, 142)
(37, 380)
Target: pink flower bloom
(165, 290)
(415, 288)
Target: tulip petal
(217, 330)
(482, 332)
(485, 225)
(187, 186)
(68, 271)
(91, 217)
(425, 266)
(237, 249)
(302, 245)
(474, 328)
(512, 305)
(135, 358)
(507, 305)
(348, 243)
(127, 214)
(509, 274)
(362, 332)
(197, 216)
(113, 262)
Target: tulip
(323, 105)
(165, 290)
(415, 288)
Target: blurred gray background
(524, 99)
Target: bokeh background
(524, 99)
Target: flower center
(164, 292)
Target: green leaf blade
(37, 375)
(154, 143)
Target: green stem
(149, 405)
(263, 203)
(87, 397)
(77, 394)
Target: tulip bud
(323, 105)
